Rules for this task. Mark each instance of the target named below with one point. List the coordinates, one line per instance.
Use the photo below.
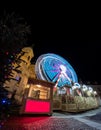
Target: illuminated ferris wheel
(56, 69)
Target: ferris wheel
(54, 68)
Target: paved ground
(91, 118)
(58, 121)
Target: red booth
(38, 97)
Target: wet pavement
(91, 118)
(58, 121)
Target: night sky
(83, 55)
(51, 34)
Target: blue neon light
(48, 68)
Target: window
(39, 92)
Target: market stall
(38, 97)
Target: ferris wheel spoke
(55, 77)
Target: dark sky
(51, 33)
(83, 55)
